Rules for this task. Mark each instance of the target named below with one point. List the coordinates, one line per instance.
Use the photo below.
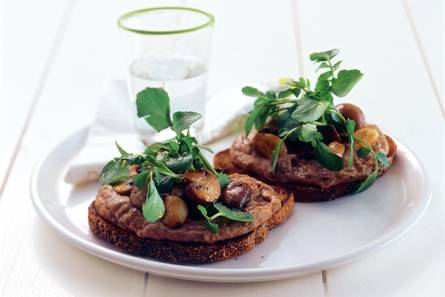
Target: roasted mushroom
(352, 112)
(368, 134)
(176, 211)
(123, 188)
(138, 196)
(202, 186)
(265, 143)
(236, 194)
(337, 148)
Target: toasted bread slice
(182, 252)
(303, 192)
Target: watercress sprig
(163, 164)
(223, 211)
(299, 111)
(378, 157)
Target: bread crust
(303, 192)
(181, 252)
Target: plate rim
(203, 273)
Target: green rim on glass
(121, 20)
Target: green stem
(207, 164)
(376, 161)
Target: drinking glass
(169, 48)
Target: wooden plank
(37, 262)
(426, 20)
(26, 43)
(397, 94)
(305, 286)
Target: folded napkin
(224, 115)
(112, 123)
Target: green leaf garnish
(310, 110)
(345, 81)
(140, 180)
(153, 208)
(113, 172)
(303, 110)
(324, 56)
(368, 182)
(327, 158)
(225, 212)
(153, 104)
(121, 150)
(211, 226)
(252, 92)
(363, 152)
(382, 159)
(182, 120)
(223, 179)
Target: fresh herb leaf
(181, 163)
(327, 158)
(250, 121)
(350, 126)
(252, 92)
(309, 110)
(182, 120)
(307, 132)
(345, 81)
(368, 182)
(164, 183)
(153, 104)
(223, 179)
(113, 172)
(121, 150)
(223, 211)
(153, 208)
(336, 66)
(337, 117)
(141, 179)
(211, 226)
(214, 228)
(324, 56)
(363, 152)
(382, 159)
(226, 212)
(276, 153)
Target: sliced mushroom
(265, 143)
(236, 194)
(368, 135)
(352, 112)
(176, 211)
(202, 186)
(337, 148)
(138, 196)
(123, 188)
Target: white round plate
(317, 236)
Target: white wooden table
(56, 54)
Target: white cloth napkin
(112, 122)
(225, 112)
